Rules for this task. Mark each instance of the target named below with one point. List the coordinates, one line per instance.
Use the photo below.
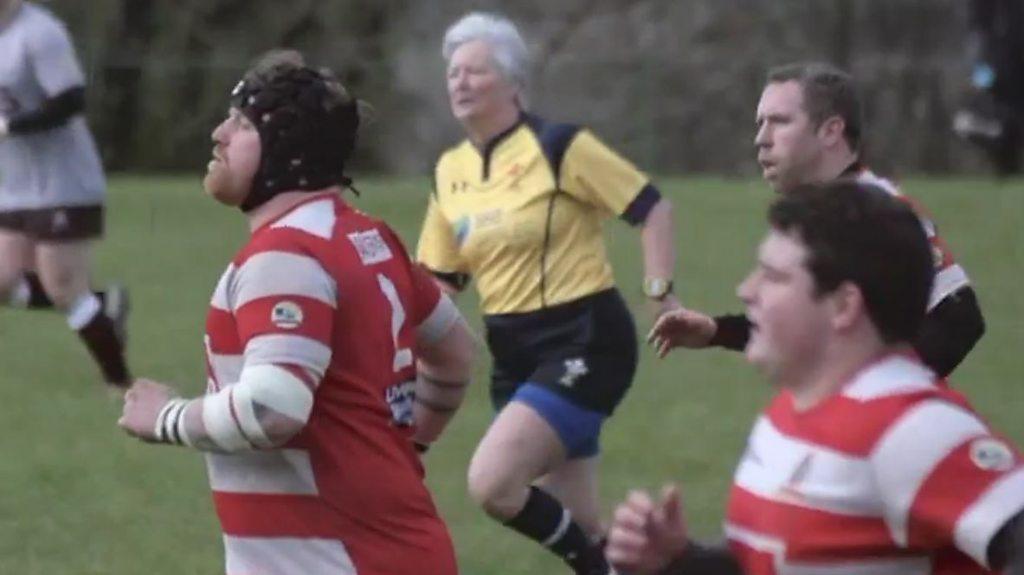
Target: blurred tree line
(672, 83)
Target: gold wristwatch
(657, 288)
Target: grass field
(78, 497)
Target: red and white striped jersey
(329, 290)
(949, 275)
(894, 474)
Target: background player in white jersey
(331, 355)
(835, 478)
(809, 130)
(52, 186)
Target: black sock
(37, 298)
(547, 522)
(102, 342)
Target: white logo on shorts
(575, 368)
(59, 221)
(286, 315)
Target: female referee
(519, 206)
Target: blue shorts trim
(579, 428)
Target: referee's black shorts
(584, 350)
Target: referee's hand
(681, 327)
(659, 307)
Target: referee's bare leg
(519, 448)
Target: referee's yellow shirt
(524, 215)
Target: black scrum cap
(307, 125)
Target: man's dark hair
(859, 233)
(828, 92)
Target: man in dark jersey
(809, 127)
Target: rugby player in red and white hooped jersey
(864, 463)
(809, 130)
(332, 358)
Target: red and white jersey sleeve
(946, 480)
(283, 302)
(273, 305)
(893, 475)
(949, 275)
(438, 313)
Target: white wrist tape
(170, 423)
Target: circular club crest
(286, 315)
(991, 454)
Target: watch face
(655, 287)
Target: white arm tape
(278, 389)
(439, 321)
(220, 424)
(267, 385)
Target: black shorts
(584, 350)
(68, 223)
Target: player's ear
(832, 129)
(847, 305)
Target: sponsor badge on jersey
(400, 398)
(991, 454)
(286, 315)
(371, 247)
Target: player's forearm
(658, 237)
(435, 405)
(732, 331)
(950, 331)
(439, 394)
(53, 113)
(268, 406)
(704, 560)
(275, 430)
(444, 369)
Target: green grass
(81, 498)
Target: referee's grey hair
(509, 49)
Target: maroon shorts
(68, 223)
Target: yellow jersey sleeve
(593, 173)
(437, 248)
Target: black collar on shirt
(491, 144)
(853, 169)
